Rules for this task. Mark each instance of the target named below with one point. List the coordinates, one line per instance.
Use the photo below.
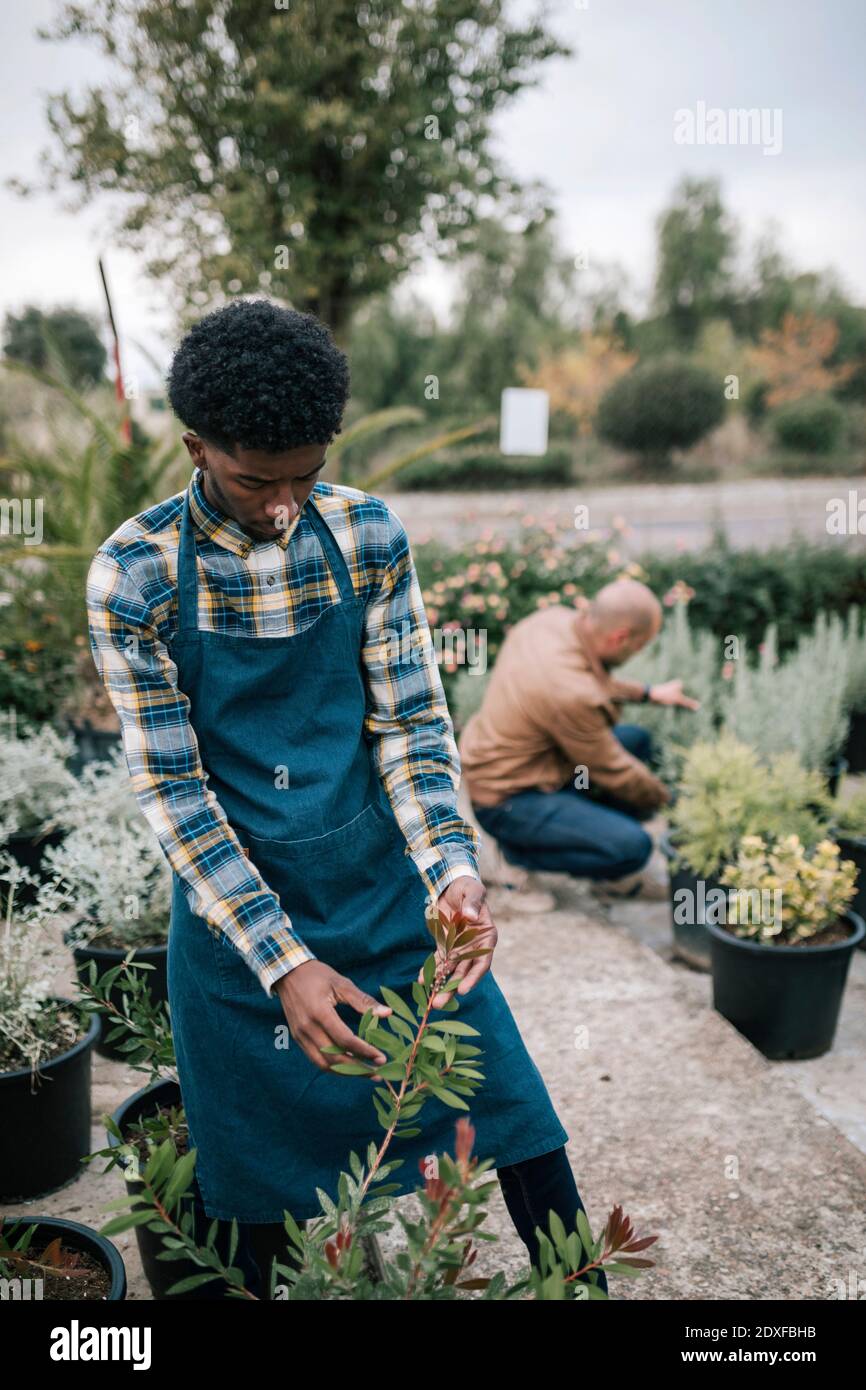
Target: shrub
(812, 891)
(798, 703)
(850, 817)
(666, 403)
(812, 425)
(727, 793)
(486, 469)
(693, 656)
(34, 777)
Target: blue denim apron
(269, 1125)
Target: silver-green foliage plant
(34, 777)
(34, 1025)
(111, 863)
(693, 656)
(855, 642)
(727, 792)
(797, 704)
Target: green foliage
(696, 244)
(665, 403)
(812, 424)
(727, 792)
(850, 816)
(480, 468)
(329, 1257)
(350, 136)
(33, 336)
(743, 591)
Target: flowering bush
(812, 890)
(34, 778)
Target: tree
(517, 299)
(666, 403)
(310, 150)
(793, 361)
(577, 378)
(696, 243)
(34, 335)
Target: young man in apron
(295, 757)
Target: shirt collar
(215, 526)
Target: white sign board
(523, 421)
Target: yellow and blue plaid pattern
(273, 589)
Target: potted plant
(855, 692)
(797, 704)
(150, 1120)
(725, 793)
(850, 832)
(45, 1052)
(781, 951)
(34, 780)
(327, 1257)
(117, 882)
(48, 1258)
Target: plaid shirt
(271, 589)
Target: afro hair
(254, 375)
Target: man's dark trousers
(574, 830)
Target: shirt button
(271, 579)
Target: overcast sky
(599, 130)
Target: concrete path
(757, 511)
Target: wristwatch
(647, 690)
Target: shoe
(503, 898)
(643, 884)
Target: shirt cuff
(444, 869)
(272, 956)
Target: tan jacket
(548, 709)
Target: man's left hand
(465, 900)
(671, 693)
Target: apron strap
(187, 586)
(187, 581)
(333, 553)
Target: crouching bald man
(552, 774)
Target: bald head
(622, 618)
(626, 602)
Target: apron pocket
(371, 827)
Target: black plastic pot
(691, 942)
(784, 999)
(92, 745)
(45, 1134)
(29, 850)
(268, 1241)
(855, 747)
(106, 957)
(854, 847)
(160, 1274)
(76, 1237)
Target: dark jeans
(574, 830)
(530, 1189)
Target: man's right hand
(308, 995)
